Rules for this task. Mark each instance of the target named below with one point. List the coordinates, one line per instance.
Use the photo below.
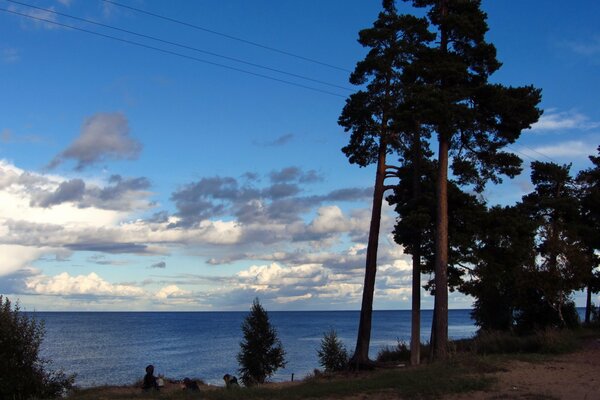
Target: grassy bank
(471, 368)
(455, 376)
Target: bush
(332, 353)
(261, 353)
(399, 353)
(551, 341)
(23, 374)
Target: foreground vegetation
(471, 367)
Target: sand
(570, 376)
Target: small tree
(332, 353)
(23, 374)
(261, 353)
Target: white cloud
(36, 18)
(91, 284)
(171, 292)
(569, 149)
(553, 120)
(16, 257)
(589, 48)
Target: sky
(203, 169)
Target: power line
(172, 53)
(181, 45)
(225, 35)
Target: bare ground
(570, 376)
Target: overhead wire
(88, 21)
(174, 53)
(225, 35)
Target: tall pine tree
(472, 118)
(374, 118)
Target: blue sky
(133, 179)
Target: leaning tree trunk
(360, 359)
(440, 323)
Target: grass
(456, 376)
(469, 369)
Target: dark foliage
(23, 374)
(261, 352)
(333, 356)
(503, 248)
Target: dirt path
(572, 376)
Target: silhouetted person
(230, 381)
(149, 379)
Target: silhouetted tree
(374, 118)
(472, 118)
(588, 182)
(561, 254)
(504, 249)
(261, 352)
(332, 353)
(23, 374)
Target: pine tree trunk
(360, 359)
(415, 333)
(588, 304)
(439, 334)
(440, 325)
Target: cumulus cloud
(553, 120)
(104, 136)
(91, 284)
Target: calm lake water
(114, 348)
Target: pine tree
(261, 352)
(504, 248)
(472, 118)
(561, 254)
(379, 119)
(332, 353)
(588, 182)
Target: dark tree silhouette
(472, 118)
(374, 116)
(562, 255)
(261, 353)
(504, 248)
(588, 181)
(23, 373)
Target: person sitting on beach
(149, 379)
(230, 381)
(190, 385)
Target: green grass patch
(456, 376)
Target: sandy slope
(571, 376)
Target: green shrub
(551, 341)
(23, 374)
(398, 353)
(333, 355)
(261, 353)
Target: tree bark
(588, 304)
(440, 324)
(439, 335)
(415, 333)
(360, 359)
